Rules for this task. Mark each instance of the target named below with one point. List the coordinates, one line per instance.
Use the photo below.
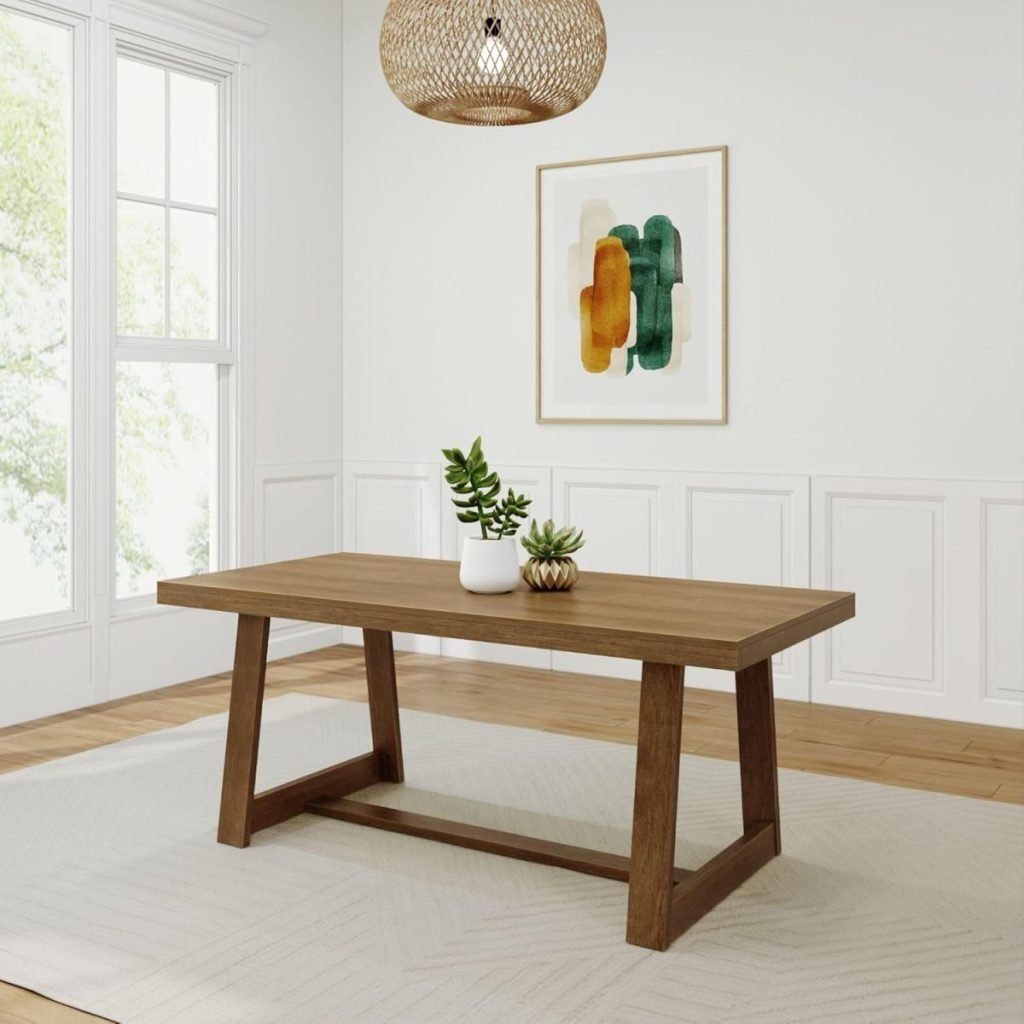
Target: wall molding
(1001, 596)
(916, 553)
(393, 508)
(612, 506)
(930, 637)
(297, 513)
(302, 637)
(294, 475)
(732, 521)
(220, 22)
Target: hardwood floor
(898, 750)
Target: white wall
(876, 315)
(297, 233)
(877, 279)
(296, 422)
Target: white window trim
(222, 348)
(139, 42)
(76, 615)
(207, 35)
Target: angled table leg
(654, 806)
(709, 885)
(244, 715)
(755, 722)
(663, 905)
(382, 692)
(242, 810)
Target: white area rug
(887, 904)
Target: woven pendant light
(492, 62)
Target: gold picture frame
(716, 298)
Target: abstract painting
(631, 289)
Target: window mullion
(174, 205)
(167, 207)
(161, 350)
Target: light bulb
(493, 57)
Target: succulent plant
(477, 489)
(546, 543)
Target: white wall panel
(746, 528)
(393, 508)
(142, 658)
(937, 595)
(936, 566)
(29, 686)
(297, 514)
(891, 552)
(632, 523)
(1002, 599)
(535, 482)
(297, 510)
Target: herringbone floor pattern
(889, 905)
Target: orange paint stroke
(596, 358)
(610, 307)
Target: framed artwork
(631, 289)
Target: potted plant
(489, 562)
(551, 566)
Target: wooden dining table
(665, 623)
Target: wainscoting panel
(138, 638)
(296, 510)
(297, 514)
(935, 597)
(1002, 598)
(744, 528)
(45, 673)
(937, 566)
(393, 508)
(898, 636)
(535, 483)
(633, 523)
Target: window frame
(223, 351)
(210, 37)
(79, 330)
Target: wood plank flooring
(898, 750)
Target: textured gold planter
(552, 574)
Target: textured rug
(887, 904)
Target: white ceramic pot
(489, 566)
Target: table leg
(244, 714)
(378, 649)
(755, 720)
(654, 806)
(242, 810)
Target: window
(173, 359)
(36, 337)
(167, 195)
(121, 283)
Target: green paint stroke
(655, 266)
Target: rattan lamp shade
(492, 62)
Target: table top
(650, 618)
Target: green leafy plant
(547, 544)
(477, 491)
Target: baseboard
(300, 638)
